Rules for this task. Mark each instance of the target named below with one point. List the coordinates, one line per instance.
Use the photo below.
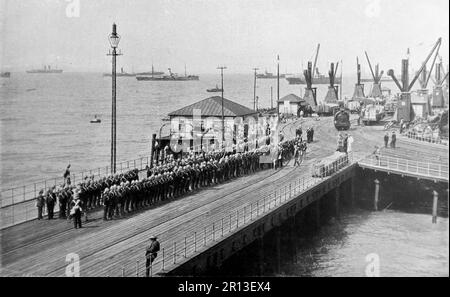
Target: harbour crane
(376, 87)
(404, 106)
(310, 92)
(358, 93)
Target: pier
(201, 230)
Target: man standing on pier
(76, 210)
(50, 201)
(151, 253)
(40, 201)
(386, 139)
(67, 175)
(393, 139)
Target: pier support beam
(337, 193)
(317, 213)
(434, 212)
(278, 248)
(377, 193)
(353, 193)
(261, 256)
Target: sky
(203, 34)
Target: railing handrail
(442, 140)
(237, 218)
(412, 166)
(8, 196)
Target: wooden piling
(337, 193)
(278, 248)
(317, 213)
(435, 202)
(377, 193)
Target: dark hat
(152, 237)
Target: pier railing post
(214, 232)
(137, 268)
(123, 271)
(185, 246)
(237, 218)
(222, 227)
(229, 230)
(204, 237)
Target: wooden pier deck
(113, 248)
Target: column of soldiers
(125, 193)
(176, 178)
(89, 191)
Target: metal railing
(173, 252)
(426, 138)
(432, 170)
(18, 204)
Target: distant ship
(96, 120)
(319, 80)
(5, 74)
(170, 77)
(269, 75)
(216, 89)
(46, 69)
(119, 74)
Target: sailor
(297, 155)
(40, 201)
(76, 210)
(151, 252)
(50, 201)
(393, 139)
(67, 175)
(62, 199)
(386, 139)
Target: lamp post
(223, 117)
(114, 40)
(254, 89)
(278, 86)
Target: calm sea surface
(403, 244)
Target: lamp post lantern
(114, 40)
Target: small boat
(96, 120)
(216, 89)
